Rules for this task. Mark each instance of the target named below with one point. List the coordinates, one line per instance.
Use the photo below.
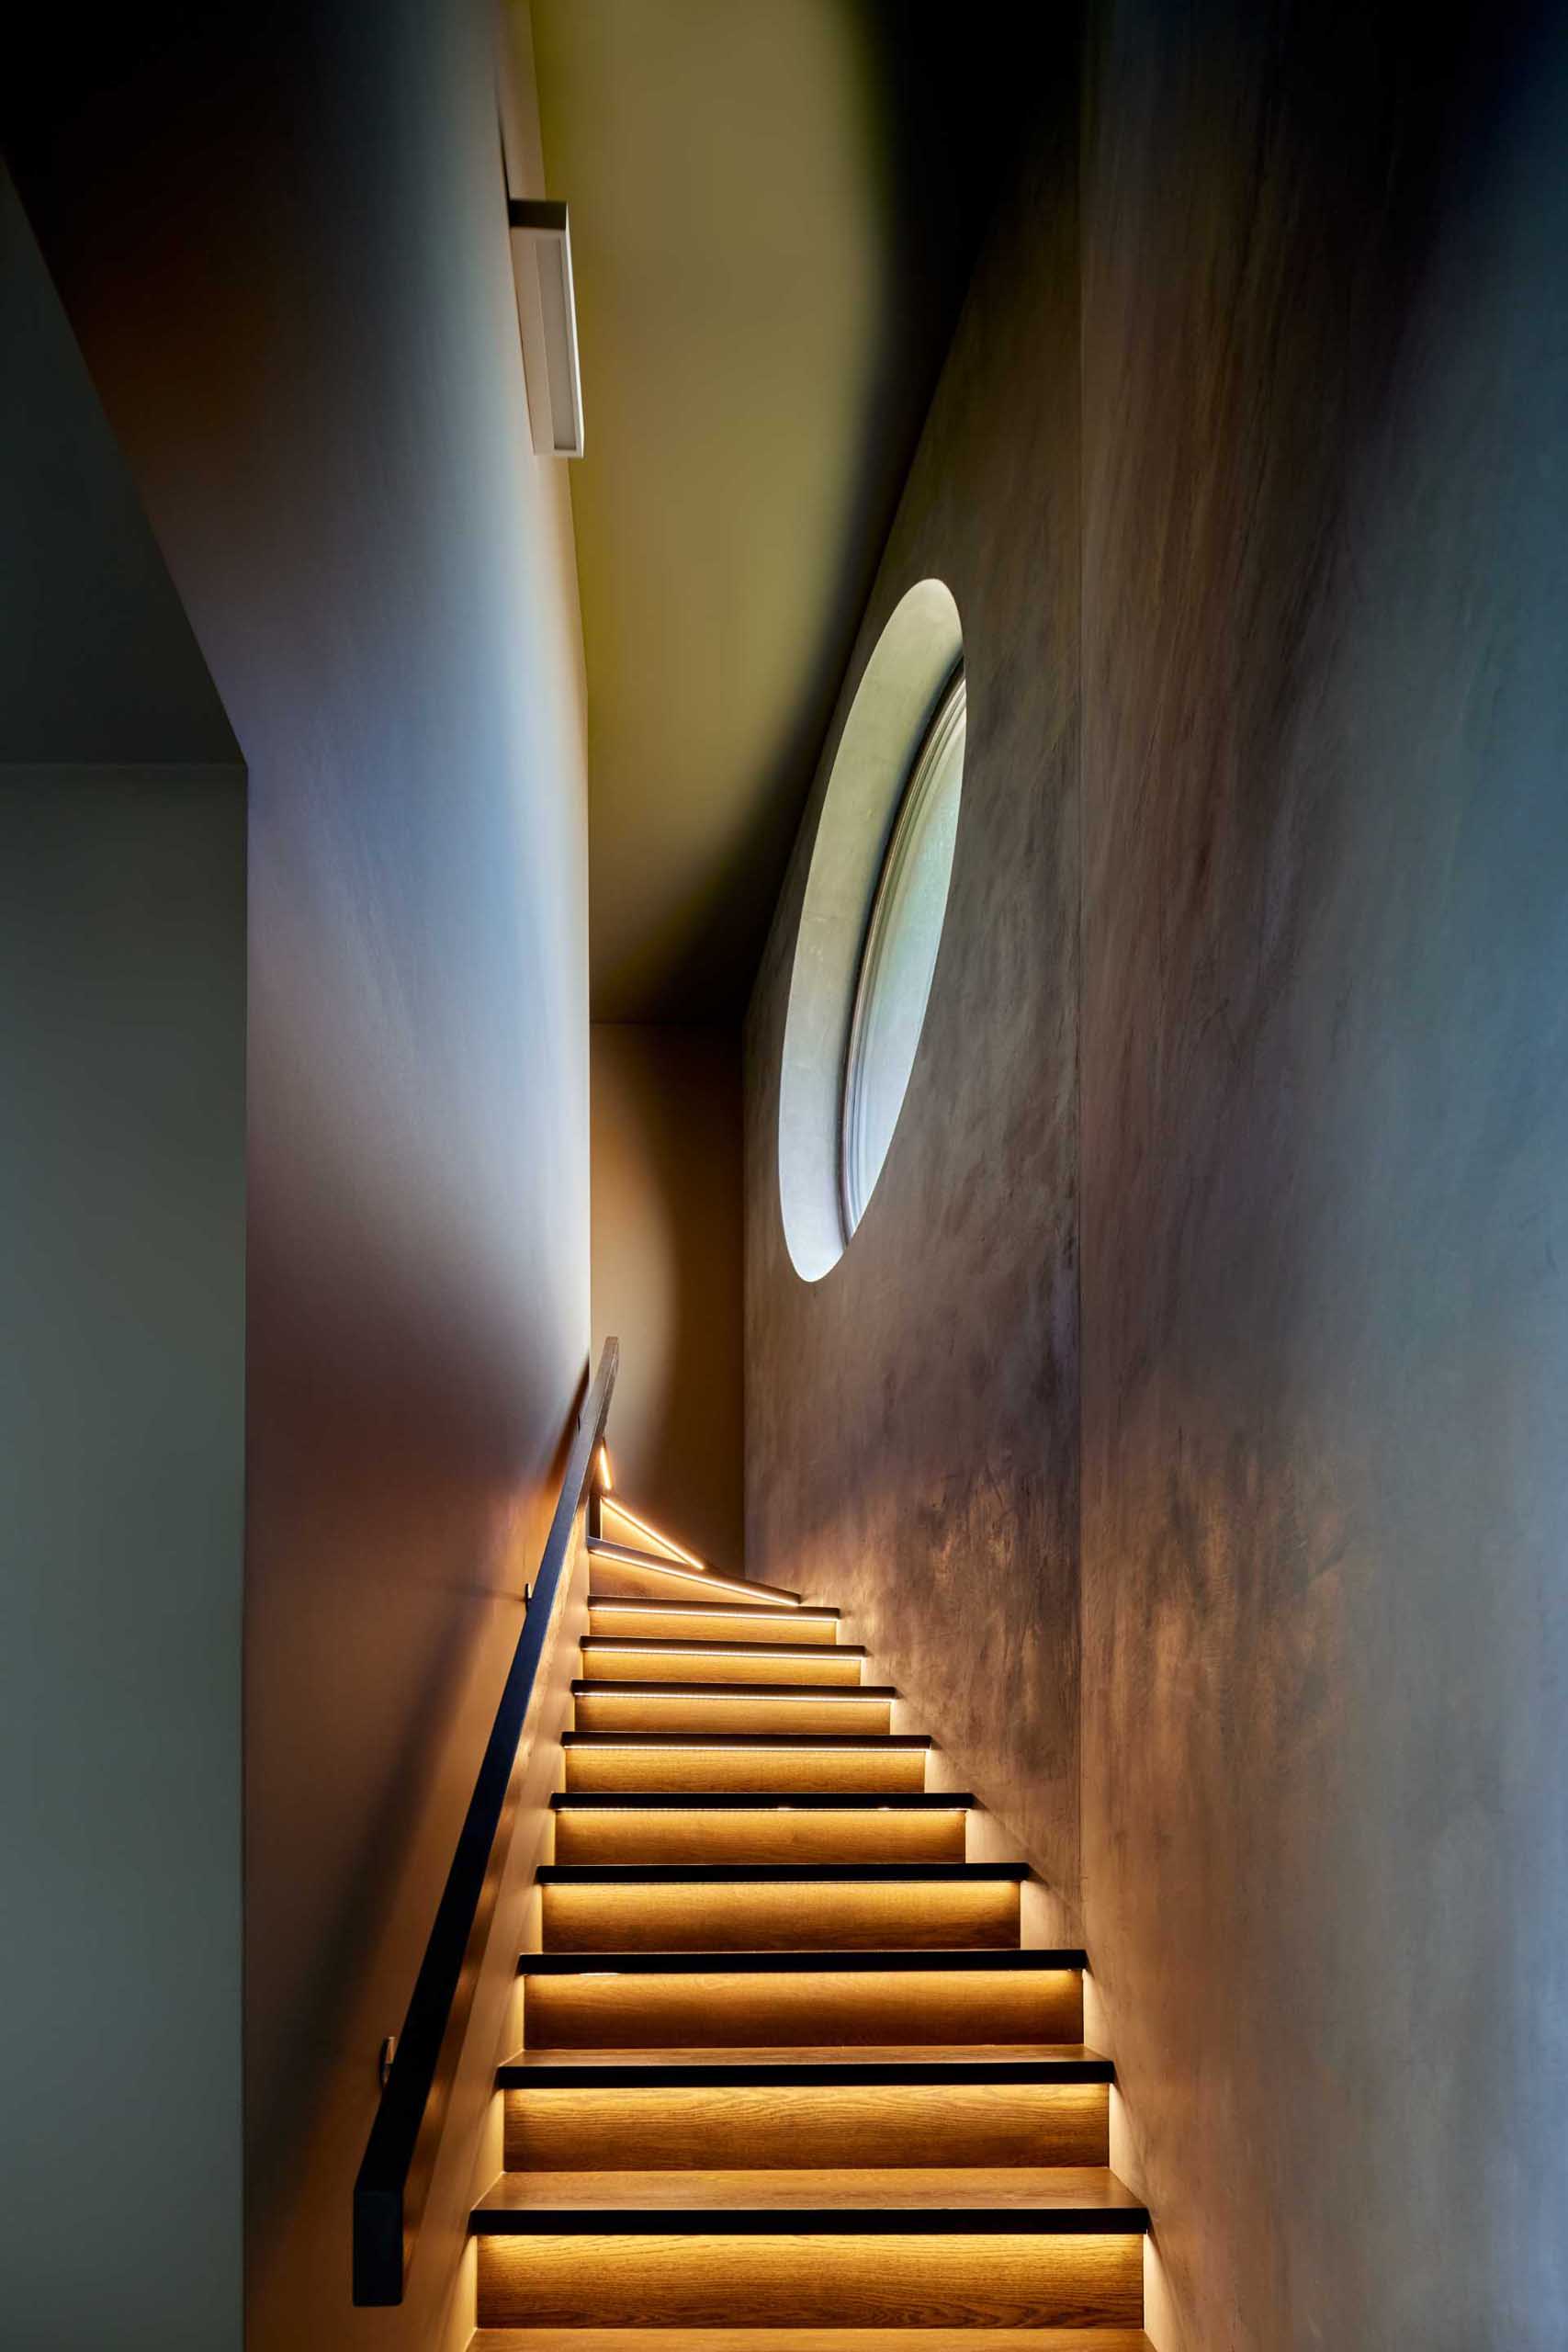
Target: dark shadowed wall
(667, 1256)
(1324, 1100)
(282, 242)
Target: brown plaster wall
(666, 1252)
(1319, 1079)
(912, 1418)
(1324, 1123)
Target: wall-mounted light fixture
(547, 314)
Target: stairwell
(790, 2076)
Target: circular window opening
(871, 926)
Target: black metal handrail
(394, 2177)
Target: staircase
(789, 2077)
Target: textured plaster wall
(912, 1418)
(667, 1256)
(281, 236)
(1321, 1070)
(1325, 1128)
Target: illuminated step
(675, 2110)
(730, 1706)
(622, 2000)
(1006, 2246)
(647, 1826)
(779, 1763)
(622, 1659)
(961, 1906)
(714, 1621)
(813, 2339)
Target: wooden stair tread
(754, 1693)
(799, 1963)
(778, 1874)
(830, 1742)
(803, 2063)
(1069, 2198)
(809, 2339)
(669, 1646)
(743, 1611)
(761, 1801)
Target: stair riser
(652, 1711)
(755, 2011)
(832, 1670)
(788, 1627)
(857, 1916)
(871, 1837)
(774, 2127)
(811, 2280)
(755, 1772)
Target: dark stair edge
(833, 1693)
(761, 1800)
(879, 2221)
(838, 2074)
(777, 1874)
(831, 1740)
(923, 1960)
(717, 1645)
(809, 1614)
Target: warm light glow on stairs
(768, 1968)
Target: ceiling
(774, 205)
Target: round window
(899, 957)
(871, 925)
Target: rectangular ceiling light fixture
(547, 314)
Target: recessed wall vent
(547, 314)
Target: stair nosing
(809, 1612)
(833, 1741)
(818, 2221)
(818, 2073)
(762, 1800)
(671, 1645)
(833, 1694)
(919, 1960)
(777, 1874)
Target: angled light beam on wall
(651, 1534)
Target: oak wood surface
(866, 1766)
(640, 1706)
(866, 1835)
(616, 1659)
(936, 2060)
(812, 2339)
(786, 2125)
(853, 2008)
(937, 2279)
(717, 1621)
(967, 1913)
(1084, 2194)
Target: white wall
(123, 1059)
